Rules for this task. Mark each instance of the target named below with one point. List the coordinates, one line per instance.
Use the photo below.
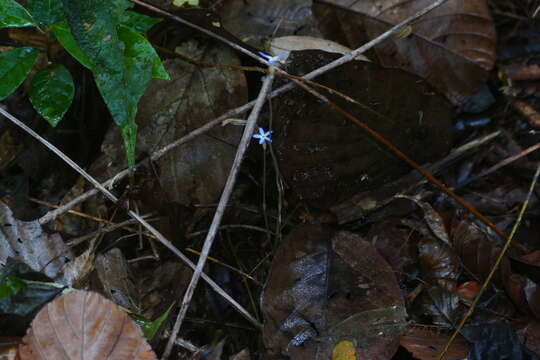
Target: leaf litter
(350, 302)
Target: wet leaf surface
(328, 286)
(325, 158)
(452, 46)
(494, 341)
(84, 325)
(476, 251)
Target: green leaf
(14, 66)
(46, 12)
(122, 60)
(10, 285)
(138, 22)
(140, 55)
(14, 15)
(64, 36)
(149, 328)
(51, 92)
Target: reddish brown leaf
(426, 344)
(468, 289)
(452, 46)
(326, 158)
(84, 325)
(477, 253)
(392, 241)
(328, 286)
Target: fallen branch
(134, 215)
(218, 215)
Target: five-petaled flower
(273, 60)
(263, 136)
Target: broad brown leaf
(256, 21)
(453, 46)
(326, 287)
(427, 344)
(84, 325)
(326, 158)
(194, 172)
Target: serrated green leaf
(51, 92)
(14, 66)
(65, 38)
(138, 22)
(46, 12)
(12, 14)
(10, 285)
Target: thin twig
(216, 221)
(495, 266)
(52, 215)
(501, 164)
(144, 223)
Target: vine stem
(223, 201)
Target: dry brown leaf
(27, 242)
(84, 325)
(453, 46)
(426, 344)
(325, 287)
(326, 158)
(256, 21)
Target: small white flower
(273, 60)
(263, 136)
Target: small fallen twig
(134, 215)
(216, 221)
(495, 266)
(500, 164)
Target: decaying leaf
(453, 46)
(477, 252)
(196, 171)
(326, 158)
(295, 43)
(326, 287)
(442, 305)
(258, 20)
(84, 325)
(117, 282)
(427, 344)
(27, 242)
